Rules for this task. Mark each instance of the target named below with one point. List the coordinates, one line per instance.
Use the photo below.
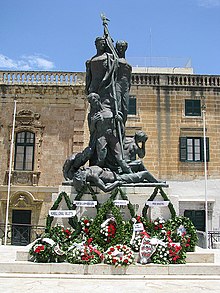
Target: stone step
(27, 267)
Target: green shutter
(183, 147)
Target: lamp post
(9, 173)
(205, 168)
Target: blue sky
(59, 35)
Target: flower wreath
(119, 255)
(188, 237)
(95, 229)
(108, 229)
(46, 250)
(168, 252)
(84, 253)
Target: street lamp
(205, 168)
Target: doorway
(21, 227)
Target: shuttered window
(132, 106)
(192, 108)
(24, 151)
(192, 149)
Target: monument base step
(103, 269)
(199, 263)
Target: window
(24, 151)
(132, 107)
(197, 217)
(192, 108)
(192, 149)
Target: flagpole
(205, 171)
(9, 174)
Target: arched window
(24, 151)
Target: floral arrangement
(182, 230)
(164, 247)
(85, 223)
(108, 229)
(45, 250)
(176, 253)
(52, 246)
(119, 255)
(82, 253)
(136, 242)
(161, 255)
(159, 224)
(115, 240)
(108, 235)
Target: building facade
(51, 124)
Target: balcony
(27, 178)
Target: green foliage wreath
(100, 218)
(189, 238)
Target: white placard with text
(62, 213)
(85, 203)
(121, 202)
(157, 203)
(138, 227)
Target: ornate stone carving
(23, 178)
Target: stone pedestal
(137, 194)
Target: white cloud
(31, 62)
(5, 62)
(209, 3)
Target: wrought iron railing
(213, 238)
(23, 234)
(20, 234)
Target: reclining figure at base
(106, 179)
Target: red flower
(114, 261)
(138, 218)
(89, 240)
(39, 249)
(112, 249)
(111, 230)
(86, 221)
(86, 230)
